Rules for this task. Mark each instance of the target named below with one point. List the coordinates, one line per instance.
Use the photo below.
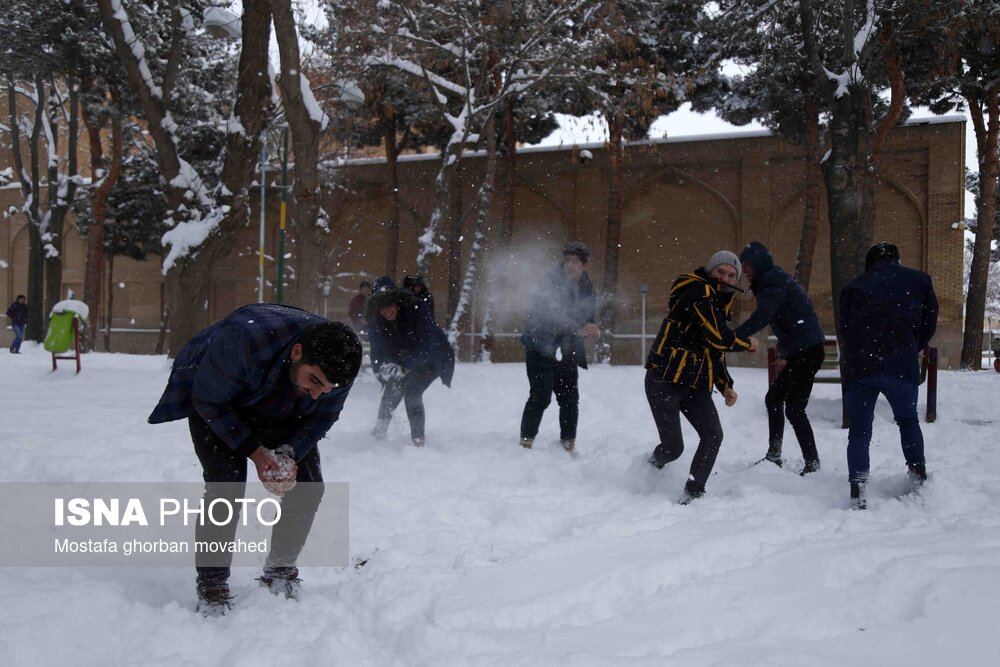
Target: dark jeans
(18, 337)
(789, 396)
(547, 375)
(667, 401)
(409, 389)
(225, 474)
(859, 399)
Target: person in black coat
(418, 286)
(562, 313)
(888, 314)
(17, 313)
(783, 304)
(687, 360)
(408, 351)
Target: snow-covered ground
(485, 553)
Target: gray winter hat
(724, 257)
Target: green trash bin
(59, 337)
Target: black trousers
(225, 474)
(410, 389)
(668, 401)
(789, 396)
(545, 376)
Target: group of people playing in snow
(888, 314)
(267, 382)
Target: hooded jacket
(690, 348)
(781, 303)
(887, 315)
(413, 340)
(559, 308)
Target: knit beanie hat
(724, 257)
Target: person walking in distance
(17, 313)
(687, 360)
(561, 315)
(784, 305)
(888, 315)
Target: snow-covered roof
(673, 139)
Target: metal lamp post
(352, 97)
(643, 290)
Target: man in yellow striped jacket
(687, 359)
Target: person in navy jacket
(888, 315)
(17, 313)
(561, 315)
(265, 384)
(783, 304)
(408, 351)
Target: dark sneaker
(859, 495)
(569, 444)
(214, 600)
(381, 429)
(527, 442)
(282, 581)
(773, 455)
(810, 466)
(690, 494)
(418, 441)
(917, 472)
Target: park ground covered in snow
(480, 552)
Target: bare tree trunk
(810, 222)
(975, 306)
(109, 318)
(30, 190)
(510, 153)
(455, 236)
(104, 178)
(62, 192)
(161, 338)
(473, 270)
(310, 235)
(391, 164)
(616, 159)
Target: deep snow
(485, 553)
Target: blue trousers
(859, 400)
(18, 337)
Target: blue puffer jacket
(413, 341)
(558, 309)
(237, 362)
(781, 303)
(887, 315)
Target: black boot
(810, 466)
(214, 599)
(917, 472)
(690, 493)
(773, 454)
(282, 581)
(859, 495)
(659, 457)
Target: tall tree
(444, 45)
(964, 77)
(645, 60)
(181, 79)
